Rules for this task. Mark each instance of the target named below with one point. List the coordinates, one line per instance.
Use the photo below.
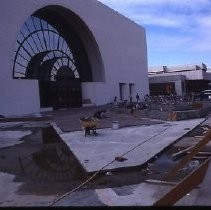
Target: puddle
(42, 158)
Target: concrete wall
(189, 75)
(19, 97)
(164, 78)
(121, 43)
(192, 75)
(178, 87)
(206, 75)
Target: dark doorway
(196, 85)
(60, 94)
(162, 88)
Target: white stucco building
(61, 53)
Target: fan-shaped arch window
(41, 51)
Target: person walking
(115, 100)
(131, 99)
(137, 98)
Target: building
(183, 79)
(63, 53)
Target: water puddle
(42, 158)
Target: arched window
(42, 53)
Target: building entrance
(55, 57)
(60, 95)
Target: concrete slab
(137, 144)
(145, 194)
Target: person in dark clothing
(100, 114)
(137, 98)
(131, 99)
(115, 99)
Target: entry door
(60, 94)
(67, 94)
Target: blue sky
(178, 31)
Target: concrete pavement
(95, 152)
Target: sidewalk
(137, 144)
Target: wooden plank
(184, 186)
(200, 158)
(198, 137)
(202, 153)
(153, 181)
(177, 154)
(188, 157)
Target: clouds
(204, 20)
(157, 20)
(190, 4)
(184, 26)
(167, 13)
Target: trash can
(115, 125)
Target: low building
(179, 80)
(63, 53)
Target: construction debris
(189, 157)
(185, 186)
(109, 173)
(148, 171)
(120, 159)
(193, 164)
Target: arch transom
(41, 52)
